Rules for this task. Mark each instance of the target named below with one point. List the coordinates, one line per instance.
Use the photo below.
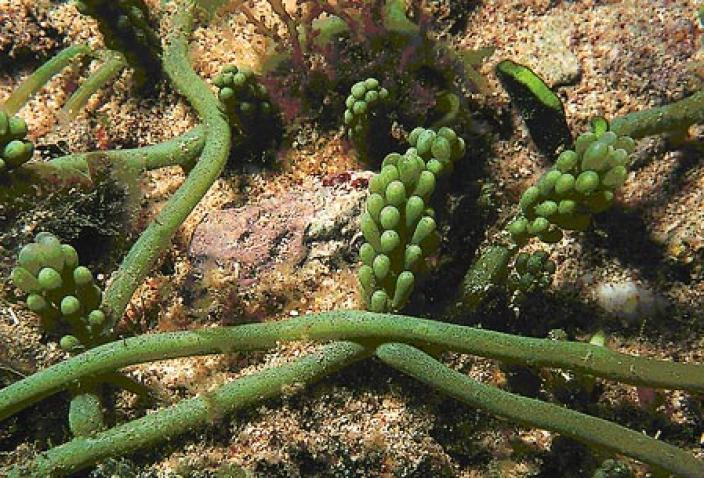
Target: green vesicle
(581, 183)
(15, 149)
(61, 290)
(398, 225)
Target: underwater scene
(351, 238)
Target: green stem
(182, 150)
(535, 413)
(356, 326)
(489, 269)
(190, 414)
(112, 66)
(215, 152)
(672, 118)
(41, 76)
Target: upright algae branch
(61, 291)
(581, 184)
(399, 224)
(361, 109)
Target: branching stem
(672, 118)
(41, 77)
(535, 413)
(114, 62)
(157, 236)
(356, 326)
(190, 414)
(182, 150)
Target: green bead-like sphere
(82, 276)
(435, 167)
(391, 159)
(518, 227)
(47, 239)
(359, 90)
(390, 240)
(24, 279)
(412, 257)
(567, 207)
(583, 141)
(31, 257)
(595, 156)
(546, 184)
(36, 303)
(13, 151)
(618, 157)
(408, 171)
(96, 318)
(219, 81)
(389, 173)
(226, 95)
(546, 209)
(404, 287)
(17, 127)
(414, 209)
(566, 161)
(367, 253)
(69, 343)
(396, 193)
(448, 133)
(529, 198)
(70, 255)
(375, 203)
(426, 185)
(49, 279)
(381, 266)
(239, 80)
(587, 182)
(359, 108)
(608, 138)
(414, 135)
(389, 217)
(379, 301)
(615, 177)
(441, 149)
(564, 184)
(425, 142)
(538, 225)
(70, 305)
(371, 83)
(366, 278)
(426, 226)
(371, 231)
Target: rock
(315, 223)
(554, 62)
(248, 239)
(628, 300)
